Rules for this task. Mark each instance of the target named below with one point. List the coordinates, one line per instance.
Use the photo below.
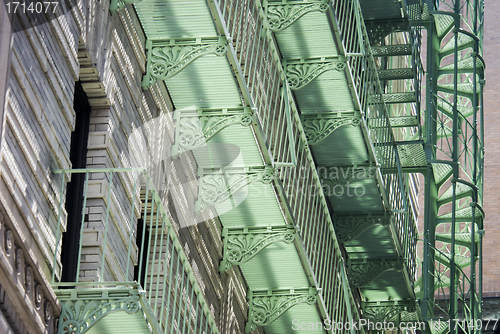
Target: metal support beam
(267, 306)
(217, 186)
(242, 244)
(167, 58)
(349, 227)
(301, 72)
(318, 127)
(394, 312)
(195, 127)
(363, 271)
(282, 15)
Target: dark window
(74, 196)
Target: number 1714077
(35, 7)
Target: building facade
(227, 166)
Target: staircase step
(396, 122)
(461, 239)
(460, 260)
(412, 155)
(393, 98)
(464, 42)
(463, 89)
(447, 109)
(465, 65)
(462, 215)
(442, 172)
(444, 23)
(391, 50)
(396, 74)
(462, 191)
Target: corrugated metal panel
(259, 208)
(376, 242)
(239, 143)
(276, 267)
(302, 315)
(328, 92)
(121, 322)
(357, 197)
(175, 19)
(309, 36)
(205, 83)
(388, 286)
(345, 146)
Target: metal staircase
(452, 270)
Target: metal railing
(258, 58)
(364, 74)
(127, 241)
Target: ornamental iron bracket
(267, 306)
(242, 244)
(217, 186)
(318, 127)
(167, 58)
(395, 312)
(363, 271)
(79, 315)
(349, 227)
(281, 16)
(117, 5)
(193, 128)
(299, 73)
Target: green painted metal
(452, 270)
(88, 303)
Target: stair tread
(444, 23)
(464, 64)
(391, 50)
(464, 41)
(462, 191)
(441, 172)
(407, 97)
(462, 88)
(396, 74)
(396, 122)
(461, 238)
(462, 213)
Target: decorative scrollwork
(166, 60)
(194, 130)
(264, 308)
(282, 16)
(78, 316)
(349, 227)
(241, 246)
(318, 129)
(398, 311)
(300, 75)
(363, 272)
(217, 187)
